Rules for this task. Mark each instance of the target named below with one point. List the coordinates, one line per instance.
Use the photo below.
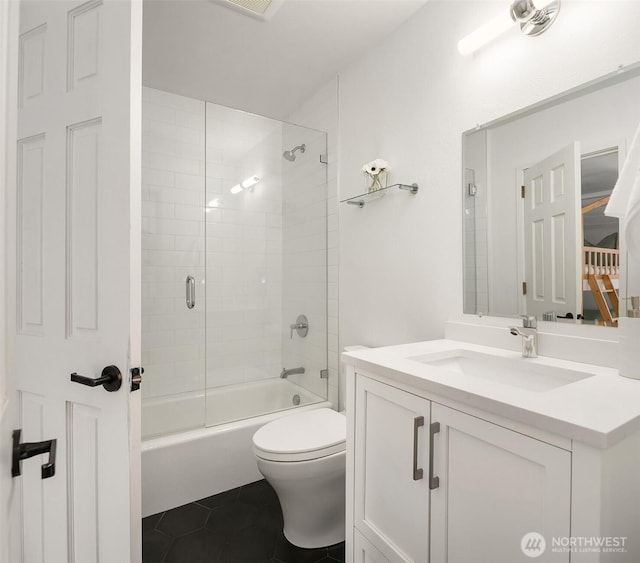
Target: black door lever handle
(110, 379)
(29, 449)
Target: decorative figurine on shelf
(377, 171)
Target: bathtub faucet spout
(287, 372)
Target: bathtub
(196, 463)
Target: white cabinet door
(365, 552)
(496, 486)
(391, 502)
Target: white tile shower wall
(244, 247)
(321, 112)
(304, 249)
(173, 336)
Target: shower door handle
(191, 292)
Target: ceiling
(205, 50)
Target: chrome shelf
(361, 199)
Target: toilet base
(312, 497)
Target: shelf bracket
(413, 188)
(359, 203)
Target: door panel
(391, 508)
(552, 225)
(496, 485)
(70, 218)
(364, 550)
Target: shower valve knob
(301, 326)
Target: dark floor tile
(154, 546)
(230, 518)
(337, 552)
(221, 498)
(269, 518)
(243, 525)
(258, 493)
(289, 553)
(196, 547)
(250, 545)
(150, 522)
(184, 519)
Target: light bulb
(485, 33)
(252, 181)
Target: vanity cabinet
(482, 490)
(495, 486)
(391, 503)
(364, 551)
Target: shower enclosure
(234, 251)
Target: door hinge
(324, 374)
(324, 159)
(524, 288)
(523, 191)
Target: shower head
(290, 155)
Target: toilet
(302, 456)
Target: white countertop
(598, 411)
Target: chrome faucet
(293, 371)
(529, 333)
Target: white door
(72, 264)
(391, 470)
(552, 234)
(495, 487)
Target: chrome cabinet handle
(434, 482)
(191, 292)
(418, 421)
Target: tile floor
(243, 525)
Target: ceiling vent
(260, 9)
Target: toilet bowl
(302, 456)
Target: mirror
(535, 186)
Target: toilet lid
(302, 436)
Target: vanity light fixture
(533, 20)
(245, 184)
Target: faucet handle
(529, 321)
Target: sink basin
(522, 373)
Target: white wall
(408, 101)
